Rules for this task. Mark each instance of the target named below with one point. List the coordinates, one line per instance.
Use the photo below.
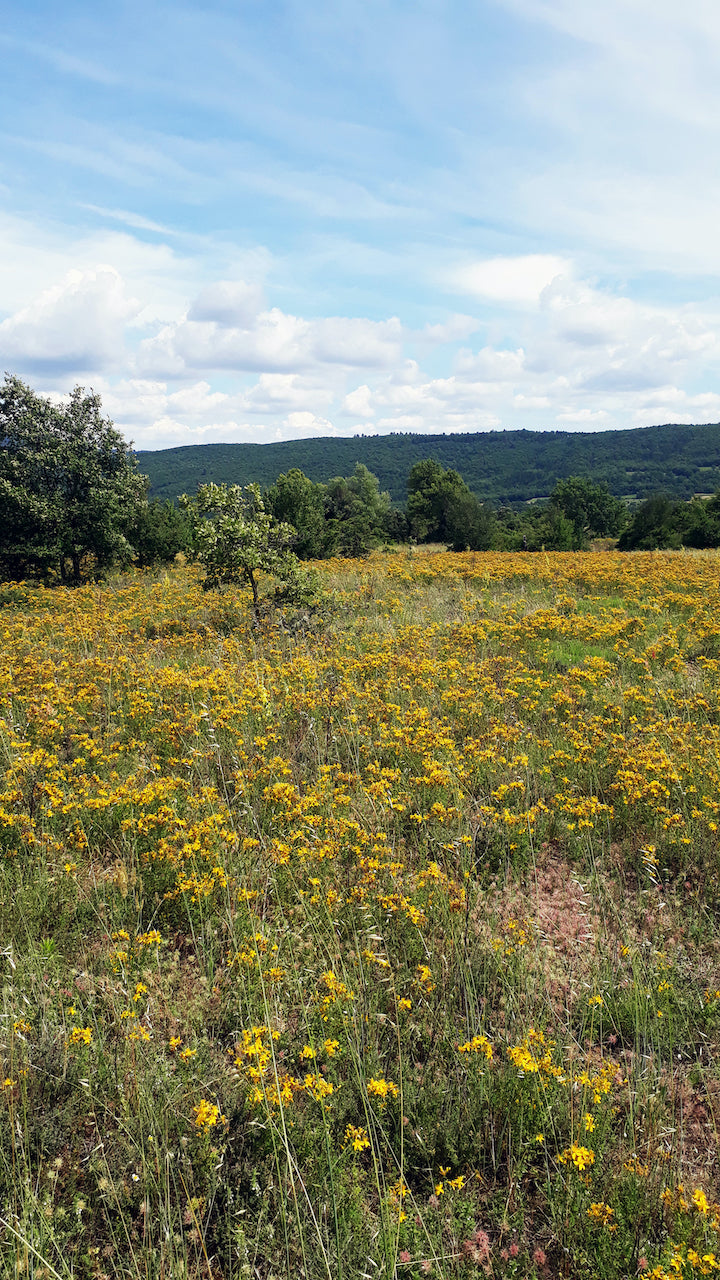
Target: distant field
(389, 949)
(498, 466)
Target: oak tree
(69, 486)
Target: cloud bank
(232, 367)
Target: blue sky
(264, 220)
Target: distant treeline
(351, 515)
(505, 468)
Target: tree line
(74, 504)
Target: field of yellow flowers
(383, 948)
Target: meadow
(383, 947)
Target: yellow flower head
(80, 1035)
(700, 1201)
(207, 1115)
(357, 1138)
(581, 1157)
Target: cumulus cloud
(39, 256)
(586, 359)
(359, 402)
(223, 330)
(76, 325)
(285, 393)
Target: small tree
(469, 525)
(653, 525)
(590, 507)
(299, 501)
(69, 485)
(158, 532)
(357, 513)
(237, 540)
(442, 508)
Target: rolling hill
(499, 466)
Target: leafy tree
(237, 540)
(158, 532)
(653, 525)
(590, 507)
(298, 501)
(550, 530)
(396, 525)
(431, 491)
(536, 527)
(662, 522)
(698, 522)
(442, 508)
(69, 485)
(358, 514)
(470, 525)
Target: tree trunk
(256, 601)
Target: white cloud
(179, 364)
(457, 327)
(77, 325)
(495, 366)
(596, 418)
(230, 303)
(130, 219)
(268, 340)
(510, 280)
(165, 277)
(280, 392)
(358, 402)
(309, 424)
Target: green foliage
(590, 507)
(431, 490)
(652, 526)
(664, 522)
(158, 533)
(237, 540)
(699, 522)
(470, 524)
(357, 512)
(69, 486)
(347, 516)
(298, 501)
(441, 508)
(502, 467)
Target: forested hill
(499, 466)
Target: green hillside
(499, 466)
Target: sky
(257, 220)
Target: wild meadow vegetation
(383, 945)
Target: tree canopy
(590, 507)
(69, 485)
(441, 508)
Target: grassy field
(386, 949)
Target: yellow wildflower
(581, 1157)
(357, 1138)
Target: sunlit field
(387, 946)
